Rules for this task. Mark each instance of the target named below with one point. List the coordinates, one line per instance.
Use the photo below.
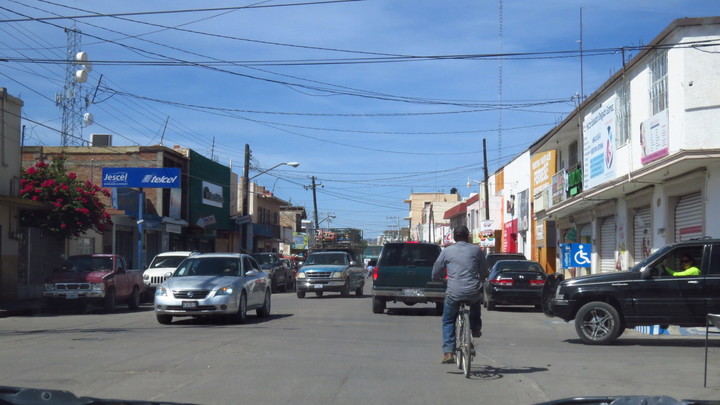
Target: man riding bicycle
(466, 269)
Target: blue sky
(286, 77)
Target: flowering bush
(74, 206)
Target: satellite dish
(87, 66)
(81, 57)
(88, 119)
(81, 76)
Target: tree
(73, 206)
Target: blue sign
(142, 177)
(576, 255)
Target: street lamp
(291, 164)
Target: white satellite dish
(81, 76)
(88, 119)
(87, 66)
(81, 57)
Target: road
(334, 350)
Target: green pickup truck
(404, 274)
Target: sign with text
(576, 255)
(654, 137)
(141, 177)
(599, 145)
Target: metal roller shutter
(607, 245)
(689, 217)
(585, 233)
(642, 234)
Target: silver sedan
(214, 284)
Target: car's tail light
(375, 272)
(502, 281)
(537, 283)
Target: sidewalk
(20, 308)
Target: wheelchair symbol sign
(580, 254)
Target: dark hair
(688, 259)
(461, 233)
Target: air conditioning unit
(100, 140)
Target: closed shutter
(585, 233)
(607, 245)
(642, 234)
(689, 217)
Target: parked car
(404, 274)
(604, 304)
(101, 279)
(332, 271)
(290, 266)
(214, 284)
(492, 258)
(280, 275)
(161, 267)
(514, 282)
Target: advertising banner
(654, 137)
(212, 194)
(599, 145)
(141, 177)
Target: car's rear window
(409, 254)
(511, 265)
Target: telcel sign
(142, 177)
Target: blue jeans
(450, 312)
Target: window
(658, 82)
(623, 114)
(573, 154)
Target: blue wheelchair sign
(576, 255)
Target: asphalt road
(334, 350)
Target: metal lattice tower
(72, 101)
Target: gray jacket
(466, 269)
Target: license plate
(71, 296)
(413, 292)
(318, 286)
(189, 304)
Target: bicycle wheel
(459, 327)
(467, 342)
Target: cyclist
(466, 269)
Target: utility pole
(246, 192)
(317, 225)
(485, 169)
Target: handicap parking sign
(576, 255)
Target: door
(607, 245)
(712, 281)
(689, 217)
(253, 284)
(642, 234)
(667, 299)
(122, 280)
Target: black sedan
(514, 282)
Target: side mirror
(353, 263)
(646, 272)
(251, 273)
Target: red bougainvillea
(74, 206)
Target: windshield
(651, 258)
(210, 266)
(166, 261)
(264, 259)
(327, 258)
(87, 263)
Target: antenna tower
(73, 101)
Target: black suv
(280, 275)
(604, 304)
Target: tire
(467, 342)
(164, 319)
(241, 315)
(458, 346)
(273, 285)
(345, 292)
(598, 323)
(439, 308)
(301, 294)
(264, 311)
(318, 293)
(134, 300)
(359, 291)
(490, 305)
(378, 305)
(109, 301)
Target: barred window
(658, 82)
(623, 114)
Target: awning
(23, 203)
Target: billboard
(599, 145)
(654, 137)
(141, 177)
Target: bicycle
(464, 348)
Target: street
(332, 350)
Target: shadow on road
(424, 311)
(495, 373)
(656, 341)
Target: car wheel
(109, 300)
(378, 305)
(359, 291)
(439, 308)
(490, 305)
(345, 292)
(598, 323)
(241, 315)
(301, 294)
(134, 300)
(264, 311)
(164, 319)
(319, 293)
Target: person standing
(466, 269)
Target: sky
(376, 99)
